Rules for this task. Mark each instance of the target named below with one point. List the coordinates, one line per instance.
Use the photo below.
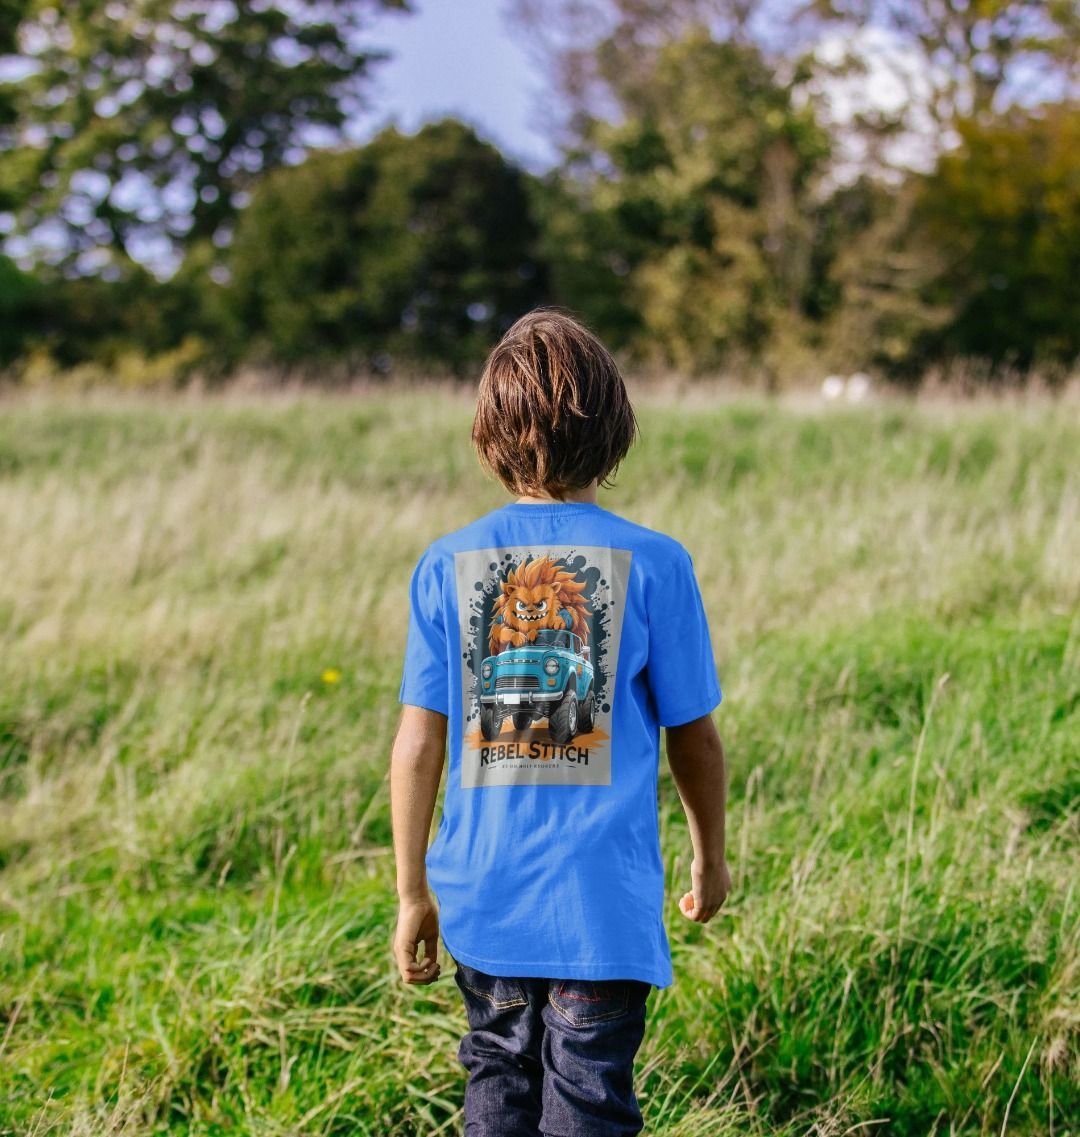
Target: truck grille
(518, 682)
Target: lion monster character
(537, 594)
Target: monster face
(537, 594)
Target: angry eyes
(538, 609)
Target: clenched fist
(709, 889)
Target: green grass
(196, 883)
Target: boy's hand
(418, 922)
(710, 889)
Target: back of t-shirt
(557, 639)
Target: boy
(553, 639)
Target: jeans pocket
(585, 1001)
(499, 992)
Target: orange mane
(534, 595)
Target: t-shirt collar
(531, 508)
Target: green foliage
(95, 324)
(692, 203)
(21, 303)
(153, 119)
(1005, 212)
(699, 220)
(878, 304)
(585, 249)
(421, 247)
(11, 12)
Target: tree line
(705, 215)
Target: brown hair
(553, 412)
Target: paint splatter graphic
(540, 632)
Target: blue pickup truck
(549, 678)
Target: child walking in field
(552, 639)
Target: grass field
(196, 884)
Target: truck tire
(587, 714)
(522, 719)
(490, 721)
(563, 720)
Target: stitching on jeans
(618, 1012)
(514, 1002)
(573, 995)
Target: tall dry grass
(196, 887)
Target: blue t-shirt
(557, 639)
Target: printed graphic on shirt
(540, 632)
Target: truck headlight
(551, 665)
(487, 669)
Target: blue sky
(460, 58)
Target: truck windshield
(548, 637)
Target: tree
(973, 54)
(691, 195)
(21, 310)
(577, 41)
(414, 247)
(1004, 211)
(878, 307)
(11, 13)
(143, 124)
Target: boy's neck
(586, 494)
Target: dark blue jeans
(550, 1057)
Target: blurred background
(772, 190)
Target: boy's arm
(696, 757)
(416, 764)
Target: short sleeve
(681, 669)
(425, 680)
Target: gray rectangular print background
(473, 568)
